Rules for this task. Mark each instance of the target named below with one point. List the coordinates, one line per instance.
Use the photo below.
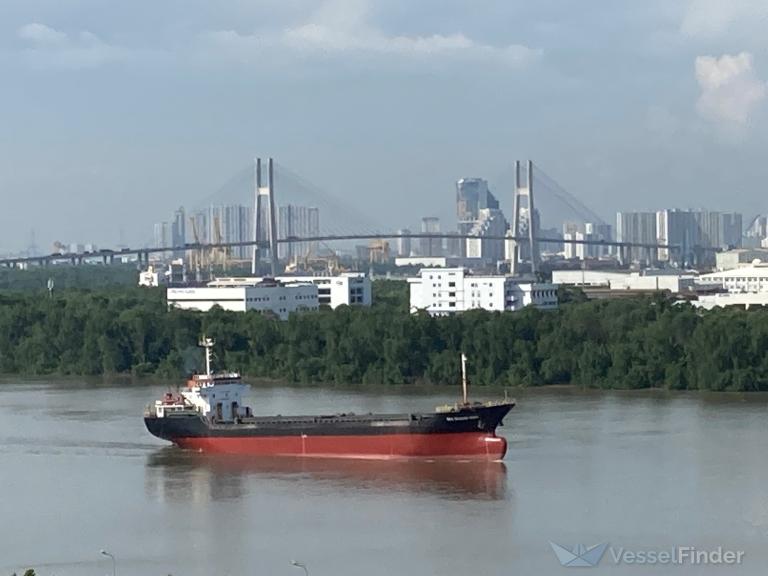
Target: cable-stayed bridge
(271, 194)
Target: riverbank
(626, 344)
(150, 387)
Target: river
(639, 471)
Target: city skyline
(115, 117)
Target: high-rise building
(231, 224)
(696, 235)
(571, 231)
(198, 231)
(403, 243)
(693, 235)
(430, 246)
(161, 238)
(161, 235)
(584, 234)
(490, 222)
(455, 245)
(637, 228)
(757, 232)
(179, 231)
(299, 222)
(678, 228)
(473, 195)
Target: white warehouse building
(744, 280)
(442, 291)
(281, 295)
(349, 288)
(346, 289)
(674, 281)
(267, 296)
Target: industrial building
(172, 273)
(436, 262)
(443, 291)
(264, 296)
(744, 280)
(646, 280)
(347, 289)
(710, 301)
(739, 258)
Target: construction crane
(219, 255)
(197, 256)
(312, 262)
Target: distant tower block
(264, 219)
(518, 212)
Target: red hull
(467, 445)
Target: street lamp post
(300, 565)
(114, 563)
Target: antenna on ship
(464, 378)
(207, 343)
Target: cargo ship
(208, 415)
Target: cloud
(343, 27)
(713, 18)
(47, 47)
(41, 34)
(730, 89)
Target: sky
(115, 113)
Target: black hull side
(471, 419)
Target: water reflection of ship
(180, 475)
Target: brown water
(78, 473)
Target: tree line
(633, 343)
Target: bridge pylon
(520, 222)
(264, 192)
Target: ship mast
(207, 343)
(464, 378)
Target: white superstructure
(218, 396)
(442, 291)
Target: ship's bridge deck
(205, 380)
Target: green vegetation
(638, 343)
(68, 277)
